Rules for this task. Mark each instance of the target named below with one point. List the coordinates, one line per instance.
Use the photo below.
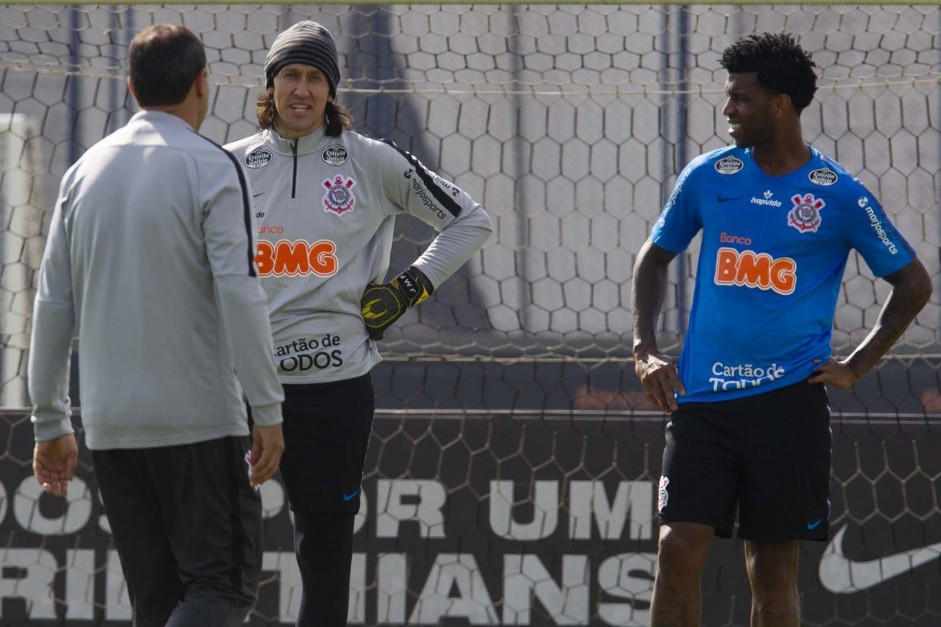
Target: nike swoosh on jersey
(721, 198)
(841, 575)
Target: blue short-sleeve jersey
(770, 266)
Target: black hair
(164, 61)
(783, 67)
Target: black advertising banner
(512, 519)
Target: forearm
(244, 310)
(647, 296)
(911, 289)
(48, 370)
(453, 247)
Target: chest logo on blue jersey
(257, 158)
(767, 200)
(729, 165)
(805, 215)
(823, 176)
(339, 197)
(746, 268)
(335, 155)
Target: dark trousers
(323, 544)
(326, 434)
(187, 527)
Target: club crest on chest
(805, 215)
(338, 198)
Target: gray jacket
(326, 208)
(149, 261)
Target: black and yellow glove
(384, 304)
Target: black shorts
(326, 432)
(765, 458)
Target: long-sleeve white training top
(326, 208)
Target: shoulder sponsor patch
(339, 197)
(876, 223)
(823, 176)
(729, 165)
(257, 158)
(335, 155)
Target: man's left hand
(54, 463)
(839, 374)
(384, 304)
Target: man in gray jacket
(150, 262)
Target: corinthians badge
(339, 195)
(805, 216)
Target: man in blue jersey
(749, 433)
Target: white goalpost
(20, 248)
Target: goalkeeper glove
(384, 304)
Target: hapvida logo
(842, 575)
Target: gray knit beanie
(306, 42)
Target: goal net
(512, 473)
